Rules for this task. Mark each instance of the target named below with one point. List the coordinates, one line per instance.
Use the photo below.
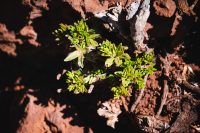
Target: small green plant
(76, 83)
(125, 71)
(133, 72)
(81, 38)
(79, 82)
(114, 53)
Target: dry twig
(138, 22)
(164, 98)
(190, 87)
(165, 67)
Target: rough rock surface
(30, 35)
(86, 6)
(164, 8)
(41, 119)
(94, 6)
(36, 7)
(8, 41)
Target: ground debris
(152, 124)
(110, 110)
(186, 117)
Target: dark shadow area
(13, 14)
(59, 12)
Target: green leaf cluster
(114, 53)
(126, 71)
(78, 82)
(133, 72)
(60, 33)
(81, 38)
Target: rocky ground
(31, 61)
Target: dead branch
(194, 4)
(185, 8)
(186, 117)
(138, 22)
(164, 98)
(139, 97)
(165, 66)
(190, 87)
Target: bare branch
(137, 25)
(164, 97)
(190, 87)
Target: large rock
(38, 118)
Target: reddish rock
(124, 3)
(30, 34)
(8, 41)
(186, 8)
(49, 119)
(177, 22)
(36, 7)
(93, 6)
(164, 8)
(86, 6)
